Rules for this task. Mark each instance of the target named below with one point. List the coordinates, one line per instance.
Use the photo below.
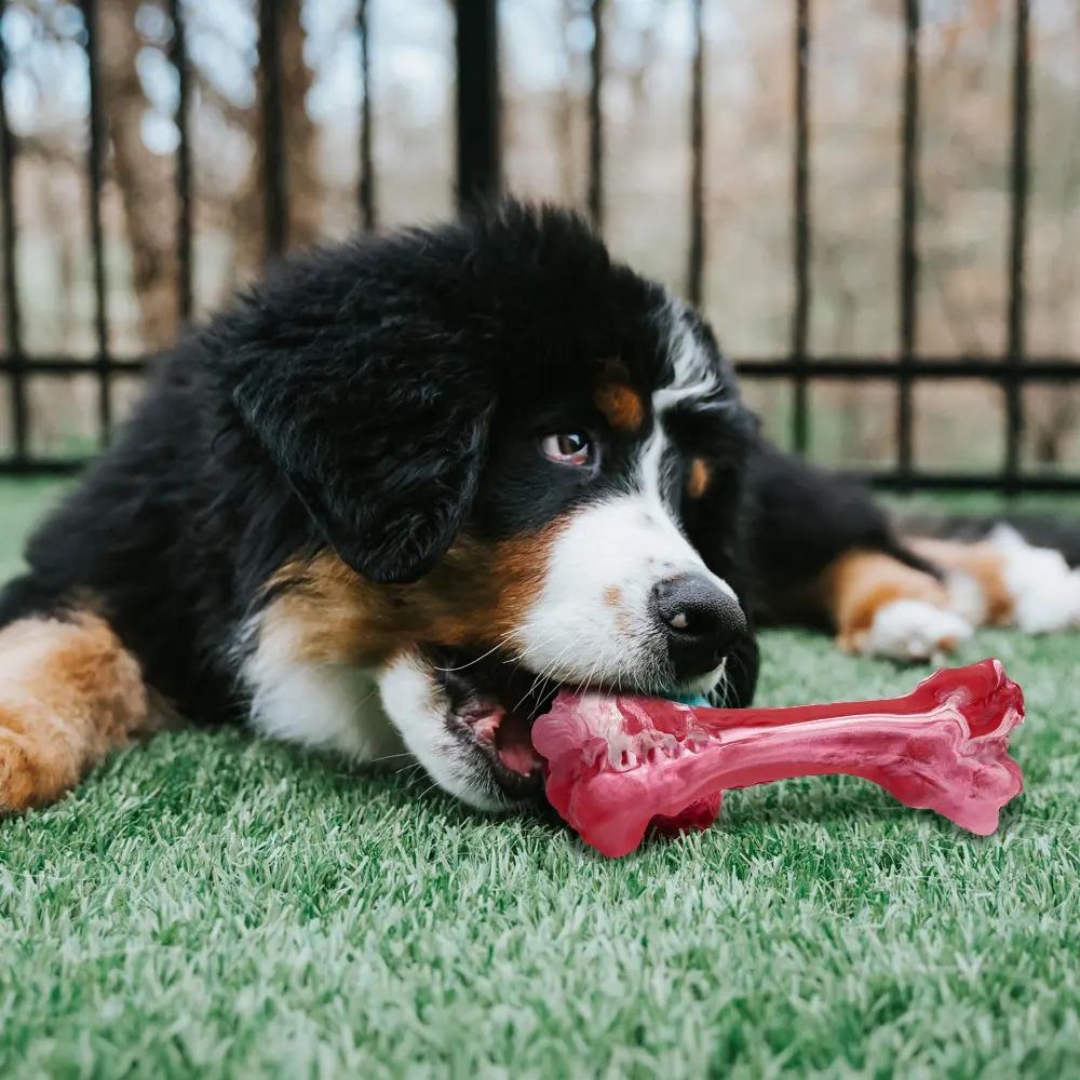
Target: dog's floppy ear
(384, 446)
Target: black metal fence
(479, 176)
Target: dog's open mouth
(493, 703)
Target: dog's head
(523, 462)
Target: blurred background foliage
(855, 94)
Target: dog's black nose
(701, 621)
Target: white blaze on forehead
(649, 474)
(693, 376)
(693, 368)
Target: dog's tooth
(696, 741)
(669, 745)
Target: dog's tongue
(616, 765)
(513, 744)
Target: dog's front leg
(69, 694)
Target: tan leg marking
(69, 693)
(981, 562)
(859, 583)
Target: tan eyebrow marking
(698, 480)
(621, 405)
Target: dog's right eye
(568, 448)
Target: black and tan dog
(399, 494)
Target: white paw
(914, 630)
(1044, 591)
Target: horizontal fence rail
(479, 176)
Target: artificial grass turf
(215, 904)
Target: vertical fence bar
(367, 171)
(274, 176)
(596, 116)
(695, 271)
(1021, 100)
(12, 321)
(479, 156)
(178, 57)
(95, 172)
(909, 256)
(800, 329)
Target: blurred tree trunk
(1051, 414)
(301, 151)
(565, 115)
(301, 136)
(145, 178)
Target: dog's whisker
(546, 674)
(483, 656)
(391, 757)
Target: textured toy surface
(617, 764)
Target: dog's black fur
(368, 397)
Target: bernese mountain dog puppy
(410, 486)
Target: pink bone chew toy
(617, 764)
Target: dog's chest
(331, 704)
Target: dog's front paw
(911, 630)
